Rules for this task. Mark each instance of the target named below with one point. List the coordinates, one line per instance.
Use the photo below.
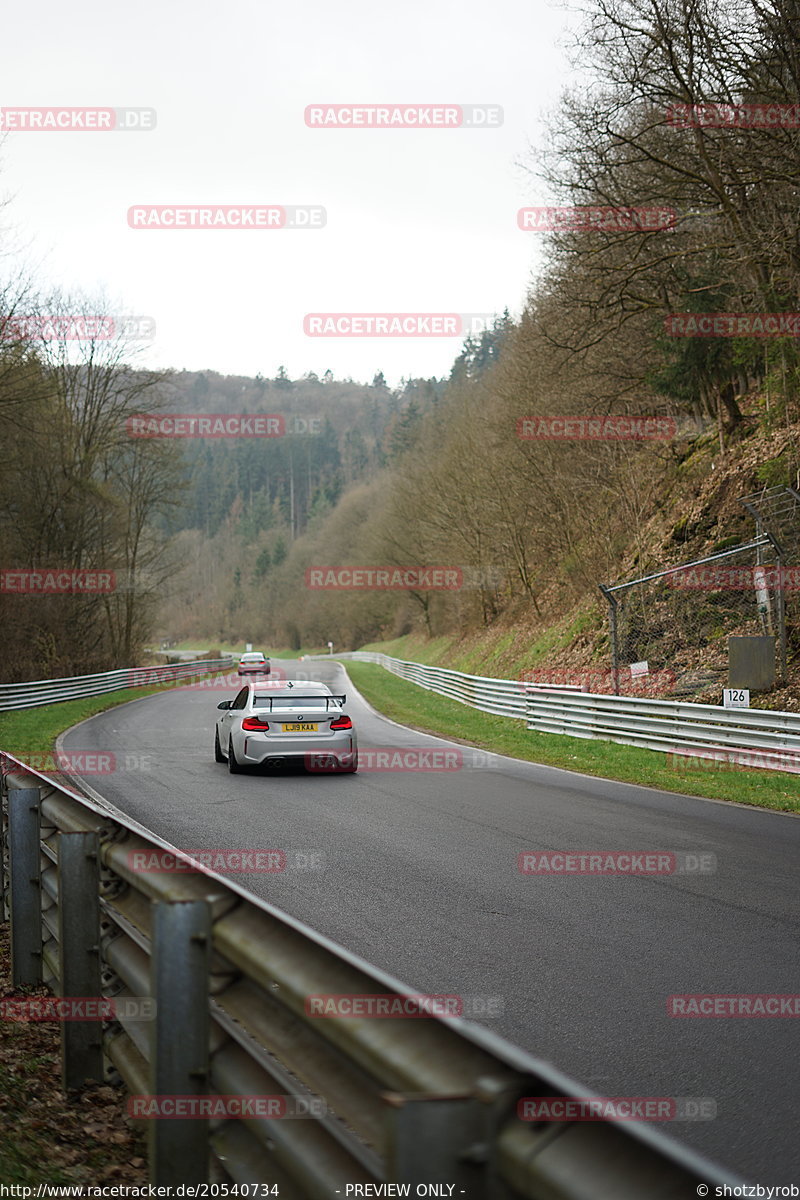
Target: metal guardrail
(501, 697)
(53, 691)
(228, 977)
(752, 737)
(758, 738)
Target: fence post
(780, 605)
(780, 609)
(181, 948)
(612, 621)
(79, 945)
(25, 889)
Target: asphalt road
(419, 876)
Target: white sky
(417, 221)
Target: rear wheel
(218, 755)
(234, 766)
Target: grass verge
(33, 731)
(201, 646)
(412, 705)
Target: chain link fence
(673, 625)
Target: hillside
(698, 513)
(650, 384)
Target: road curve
(419, 876)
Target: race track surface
(418, 874)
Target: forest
(689, 110)
(686, 109)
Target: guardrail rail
(228, 976)
(39, 692)
(757, 738)
(753, 737)
(501, 697)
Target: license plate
(301, 727)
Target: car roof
(288, 686)
(251, 654)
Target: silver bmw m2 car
(274, 724)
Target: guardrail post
(181, 949)
(437, 1140)
(5, 909)
(79, 944)
(25, 890)
(614, 634)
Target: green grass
(557, 637)
(499, 654)
(412, 705)
(199, 645)
(297, 653)
(413, 647)
(34, 730)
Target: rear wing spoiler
(296, 700)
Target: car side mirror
(225, 704)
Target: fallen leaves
(84, 1136)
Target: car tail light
(342, 723)
(255, 724)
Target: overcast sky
(417, 220)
